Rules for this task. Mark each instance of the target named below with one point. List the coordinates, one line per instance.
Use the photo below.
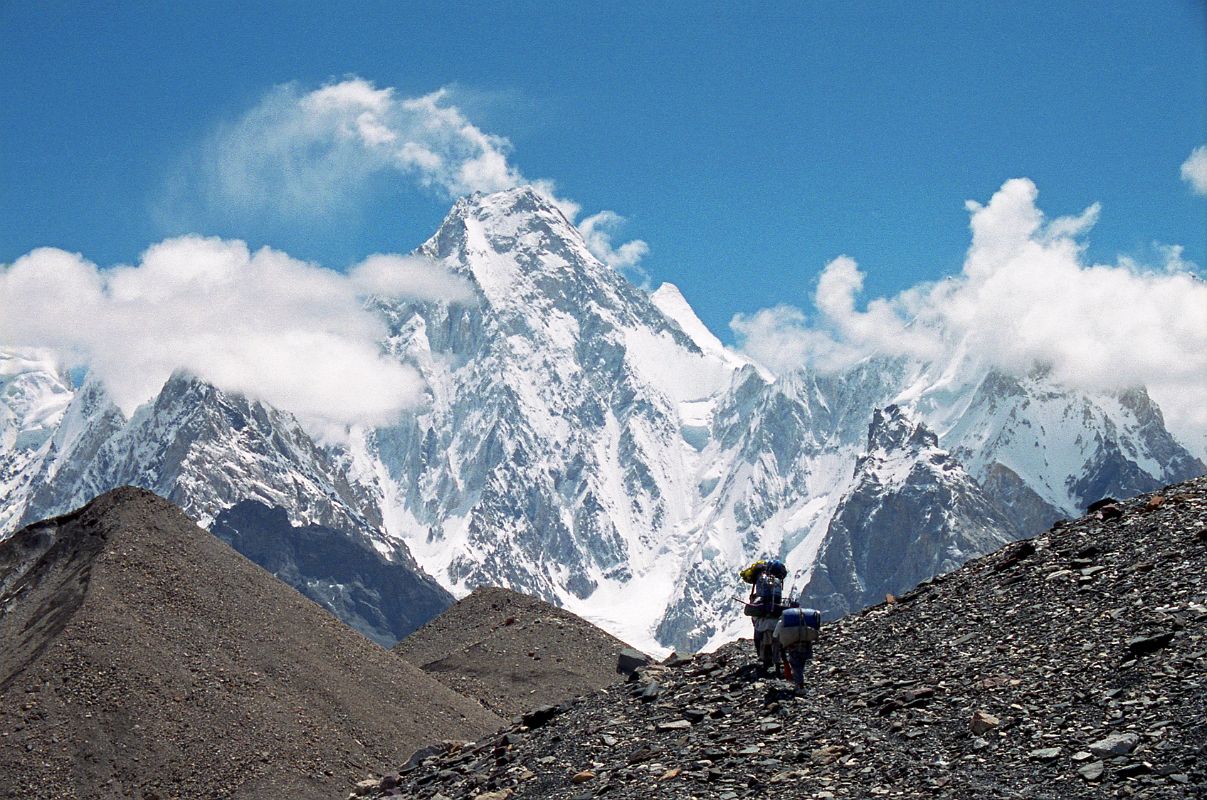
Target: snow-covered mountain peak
(671, 302)
(515, 221)
(902, 449)
(892, 430)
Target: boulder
(629, 660)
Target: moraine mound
(512, 652)
(1070, 665)
(144, 658)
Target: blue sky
(747, 144)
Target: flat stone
(1092, 771)
(677, 725)
(502, 794)
(539, 716)
(1143, 645)
(582, 777)
(1133, 770)
(1117, 744)
(1045, 753)
(828, 754)
(1098, 504)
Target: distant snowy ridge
(597, 446)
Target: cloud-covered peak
(1026, 296)
(299, 154)
(259, 323)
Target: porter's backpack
(776, 567)
(799, 626)
(752, 573)
(768, 597)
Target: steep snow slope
(33, 397)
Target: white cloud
(390, 275)
(1194, 170)
(779, 338)
(598, 230)
(269, 326)
(1026, 296)
(311, 153)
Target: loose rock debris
(1070, 665)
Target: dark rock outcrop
(383, 599)
(912, 513)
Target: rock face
(144, 658)
(911, 513)
(513, 653)
(383, 599)
(1010, 677)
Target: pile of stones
(1069, 665)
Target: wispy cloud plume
(1194, 170)
(311, 153)
(260, 323)
(598, 230)
(1026, 296)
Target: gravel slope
(1071, 665)
(512, 652)
(144, 658)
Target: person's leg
(797, 657)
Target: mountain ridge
(584, 442)
(144, 657)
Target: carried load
(773, 567)
(799, 626)
(767, 599)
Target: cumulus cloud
(260, 323)
(1026, 296)
(311, 153)
(1194, 170)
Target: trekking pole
(792, 585)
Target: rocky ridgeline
(1073, 664)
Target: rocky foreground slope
(143, 658)
(1073, 664)
(513, 653)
